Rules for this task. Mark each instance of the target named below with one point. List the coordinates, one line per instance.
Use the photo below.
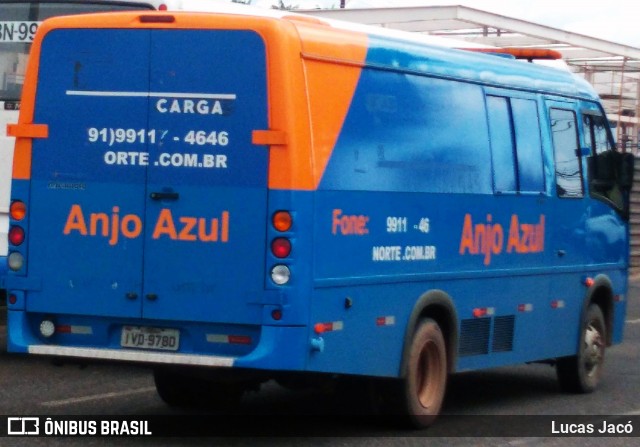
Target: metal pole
(621, 141)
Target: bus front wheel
(425, 383)
(582, 373)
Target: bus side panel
(385, 274)
(407, 205)
(374, 322)
(534, 316)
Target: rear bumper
(279, 348)
(131, 356)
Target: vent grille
(503, 334)
(474, 336)
(476, 333)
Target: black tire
(425, 384)
(582, 373)
(181, 390)
(173, 390)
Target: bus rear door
(148, 198)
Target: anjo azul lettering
(489, 238)
(114, 225)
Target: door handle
(164, 196)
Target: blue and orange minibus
(235, 198)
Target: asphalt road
(37, 386)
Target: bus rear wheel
(426, 380)
(582, 373)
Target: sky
(613, 20)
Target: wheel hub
(593, 348)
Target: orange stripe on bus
(24, 134)
(332, 69)
(22, 159)
(25, 129)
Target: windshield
(18, 24)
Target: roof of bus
(392, 49)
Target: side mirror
(611, 178)
(626, 163)
(602, 172)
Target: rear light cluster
(17, 235)
(281, 247)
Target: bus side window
(502, 150)
(515, 144)
(566, 153)
(529, 145)
(601, 141)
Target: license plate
(150, 338)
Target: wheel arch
(437, 305)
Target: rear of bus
(147, 230)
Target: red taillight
(16, 235)
(162, 7)
(281, 247)
(239, 339)
(18, 210)
(282, 221)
